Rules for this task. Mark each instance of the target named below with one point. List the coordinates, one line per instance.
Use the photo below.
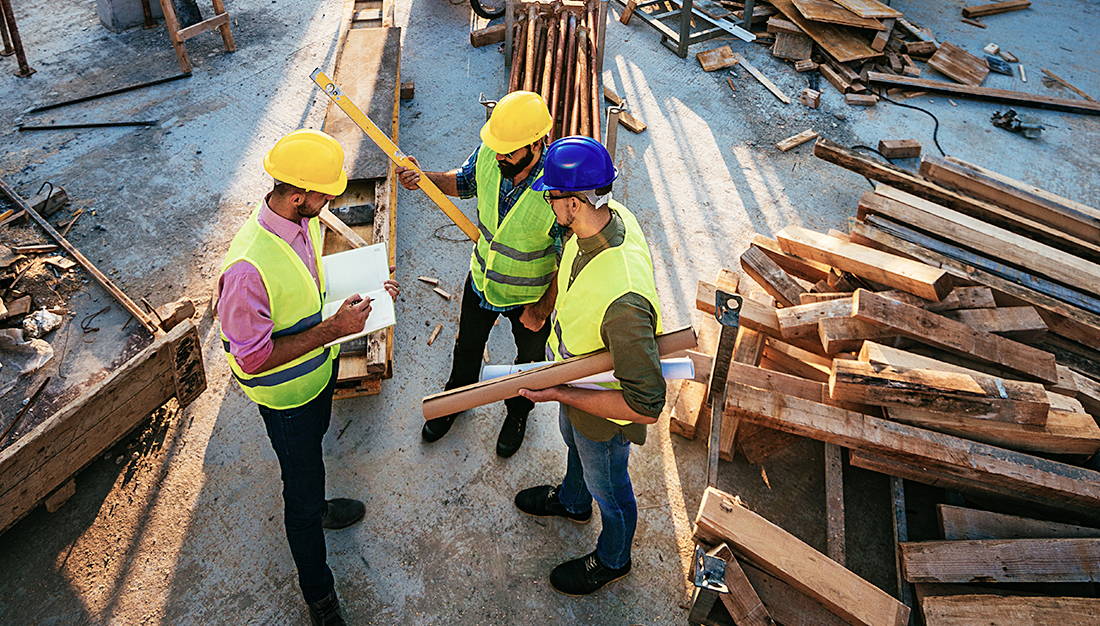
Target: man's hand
(352, 316)
(391, 286)
(534, 316)
(410, 178)
(551, 394)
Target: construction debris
(899, 148)
(40, 322)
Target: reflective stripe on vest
(295, 302)
(513, 262)
(611, 274)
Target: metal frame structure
(680, 35)
(13, 43)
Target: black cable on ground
(935, 129)
(869, 148)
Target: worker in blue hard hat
(607, 298)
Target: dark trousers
(296, 437)
(474, 324)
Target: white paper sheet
(679, 368)
(360, 271)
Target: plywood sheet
(832, 13)
(959, 65)
(841, 44)
(869, 8)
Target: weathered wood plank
(771, 277)
(1002, 560)
(995, 610)
(961, 523)
(1005, 96)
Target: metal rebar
(539, 48)
(594, 76)
(569, 71)
(25, 127)
(555, 78)
(517, 58)
(548, 62)
(8, 50)
(25, 70)
(529, 49)
(55, 105)
(584, 106)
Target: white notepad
(360, 271)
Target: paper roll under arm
(558, 373)
(679, 368)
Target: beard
(510, 171)
(307, 210)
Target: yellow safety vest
(611, 274)
(295, 303)
(513, 262)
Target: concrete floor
(186, 528)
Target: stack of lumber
(555, 53)
(774, 577)
(950, 338)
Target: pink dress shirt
(243, 305)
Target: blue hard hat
(576, 163)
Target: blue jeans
(598, 469)
(296, 438)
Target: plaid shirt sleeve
(557, 233)
(466, 178)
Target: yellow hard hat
(519, 118)
(309, 159)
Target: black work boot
(342, 512)
(511, 433)
(326, 611)
(584, 575)
(543, 501)
(435, 429)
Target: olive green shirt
(629, 330)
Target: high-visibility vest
(611, 274)
(514, 261)
(295, 302)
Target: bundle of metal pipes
(554, 53)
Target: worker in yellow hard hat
(270, 294)
(515, 260)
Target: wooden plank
(1002, 560)
(845, 334)
(770, 276)
(883, 36)
(869, 8)
(974, 396)
(960, 523)
(1019, 475)
(796, 140)
(792, 46)
(810, 271)
(920, 49)
(834, 503)
(366, 70)
(722, 518)
(716, 59)
(997, 610)
(1065, 83)
(969, 297)
(780, 25)
(688, 405)
(744, 606)
(839, 43)
(1021, 323)
(940, 332)
(824, 296)
(487, 36)
(795, 360)
(747, 351)
(861, 99)
(1044, 207)
(1003, 96)
(964, 230)
(1088, 392)
(958, 64)
(787, 605)
(1063, 318)
(832, 13)
(802, 321)
(762, 79)
(981, 10)
(907, 275)
(899, 148)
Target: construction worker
(514, 262)
(606, 298)
(269, 303)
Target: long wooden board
(1003, 96)
(1064, 432)
(869, 8)
(787, 605)
(940, 332)
(961, 523)
(1042, 206)
(913, 277)
(995, 610)
(832, 13)
(722, 518)
(1016, 474)
(839, 43)
(810, 271)
(1002, 560)
(985, 211)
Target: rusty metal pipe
(529, 49)
(8, 50)
(514, 81)
(555, 78)
(540, 54)
(569, 71)
(25, 70)
(584, 102)
(594, 73)
(548, 61)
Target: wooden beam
(795, 360)
(763, 80)
(722, 518)
(744, 606)
(802, 321)
(907, 275)
(1064, 433)
(940, 332)
(981, 10)
(986, 185)
(810, 271)
(787, 605)
(1022, 323)
(487, 36)
(983, 237)
(1002, 560)
(973, 297)
(988, 608)
(978, 397)
(960, 523)
(1018, 475)
(335, 224)
(770, 276)
(845, 334)
(834, 503)
(796, 140)
(1003, 96)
